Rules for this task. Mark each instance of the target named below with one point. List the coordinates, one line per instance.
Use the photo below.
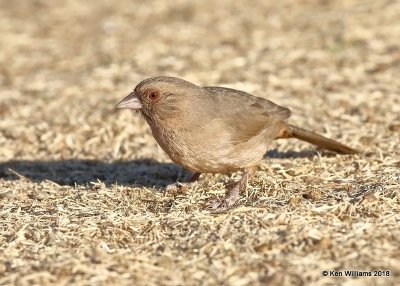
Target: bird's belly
(203, 157)
(209, 163)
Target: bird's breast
(198, 151)
(177, 146)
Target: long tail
(319, 140)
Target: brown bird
(216, 129)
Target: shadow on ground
(308, 153)
(142, 172)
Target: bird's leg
(193, 178)
(232, 195)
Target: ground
(81, 184)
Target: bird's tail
(316, 139)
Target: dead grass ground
(80, 183)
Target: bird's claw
(175, 186)
(226, 203)
(180, 185)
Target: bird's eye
(154, 95)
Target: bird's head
(160, 97)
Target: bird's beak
(130, 102)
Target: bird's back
(228, 130)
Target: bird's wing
(246, 115)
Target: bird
(215, 129)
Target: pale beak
(130, 102)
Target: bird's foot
(221, 206)
(180, 185)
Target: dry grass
(81, 184)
